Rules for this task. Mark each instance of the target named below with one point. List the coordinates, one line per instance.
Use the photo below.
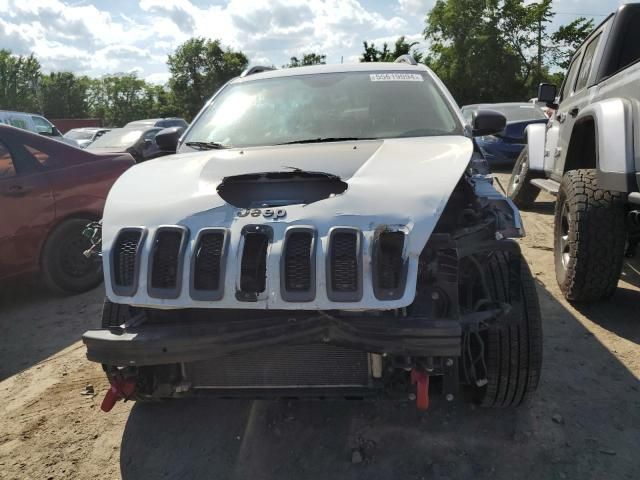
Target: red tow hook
(120, 388)
(421, 380)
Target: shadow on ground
(584, 422)
(35, 324)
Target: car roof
(89, 128)
(21, 113)
(333, 68)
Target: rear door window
(587, 63)
(7, 168)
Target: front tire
(65, 269)
(589, 238)
(520, 189)
(513, 352)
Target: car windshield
(513, 113)
(306, 108)
(79, 134)
(118, 138)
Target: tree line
(484, 51)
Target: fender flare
(535, 135)
(613, 121)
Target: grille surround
(127, 289)
(286, 265)
(335, 291)
(167, 292)
(209, 294)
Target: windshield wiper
(327, 139)
(207, 145)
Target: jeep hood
(398, 183)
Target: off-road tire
(589, 238)
(520, 189)
(513, 352)
(64, 268)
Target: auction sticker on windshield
(396, 77)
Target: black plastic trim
(254, 228)
(299, 296)
(388, 293)
(127, 290)
(167, 292)
(332, 294)
(209, 295)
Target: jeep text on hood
(344, 247)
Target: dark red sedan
(49, 191)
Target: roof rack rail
(406, 58)
(256, 69)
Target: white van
(34, 123)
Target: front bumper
(160, 343)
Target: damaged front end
(471, 283)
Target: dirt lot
(583, 423)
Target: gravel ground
(583, 423)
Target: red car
(49, 191)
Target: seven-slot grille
(125, 261)
(298, 263)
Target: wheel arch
(602, 138)
(535, 136)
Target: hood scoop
(277, 189)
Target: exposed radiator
(293, 366)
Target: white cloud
(416, 7)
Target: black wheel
(519, 189)
(589, 238)
(65, 269)
(512, 352)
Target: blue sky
(96, 37)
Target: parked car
(49, 191)
(86, 135)
(140, 143)
(34, 123)
(327, 239)
(504, 147)
(588, 157)
(158, 122)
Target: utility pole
(540, 46)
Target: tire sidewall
(52, 271)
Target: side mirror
(167, 139)
(547, 93)
(146, 143)
(487, 122)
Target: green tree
(63, 95)
(401, 47)
(19, 80)
(307, 59)
(198, 68)
(567, 39)
(119, 99)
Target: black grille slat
(125, 253)
(389, 264)
(297, 266)
(344, 262)
(166, 259)
(207, 264)
(253, 269)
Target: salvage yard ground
(584, 421)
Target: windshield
(513, 113)
(118, 138)
(79, 135)
(326, 106)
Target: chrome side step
(546, 184)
